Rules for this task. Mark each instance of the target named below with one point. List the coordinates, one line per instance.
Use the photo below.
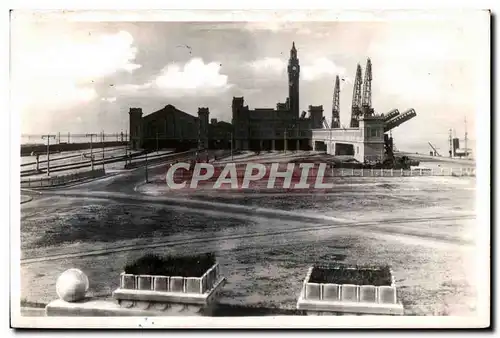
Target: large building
(280, 128)
(169, 127)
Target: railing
(403, 173)
(338, 134)
(154, 158)
(61, 180)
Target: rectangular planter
(196, 291)
(197, 285)
(172, 284)
(349, 298)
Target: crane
(356, 99)
(367, 90)
(336, 104)
(390, 115)
(325, 124)
(434, 149)
(399, 119)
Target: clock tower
(293, 81)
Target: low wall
(79, 165)
(26, 150)
(61, 180)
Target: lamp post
(102, 149)
(231, 140)
(48, 151)
(284, 141)
(157, 142)
(91, 155)
(146, 169)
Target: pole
(157, 142)
(103, 150)
(330, 140)
(146, 167)
(465, 140)
(232, 146)
(68, 137)
(284, 141)
(127, 147)
(48, 136)
(91, 154)
(451, 143)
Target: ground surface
(423, 227)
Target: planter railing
(173, 293)
(327, 298)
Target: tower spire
(293, 52)
(293, 81)
(336, 104)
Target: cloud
(320, 68)
(274, 26)
(109, 99)
(311, 69)
(192, 78)
(58, 71)
(269, 64)
(194, 75)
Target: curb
(29, 199)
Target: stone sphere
(72, 285)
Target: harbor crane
(434, 149)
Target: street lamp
(48, 137)
(231, 140)
(146, 169)
(102, 133)
(157, 141)
(91, 155)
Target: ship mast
(465, 138)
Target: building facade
(280, 128)
(365, 143)
(169, 127)
(219, 134)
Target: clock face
(294, 68)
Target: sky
(83, 76)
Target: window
(357, 150)
(373, 132)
